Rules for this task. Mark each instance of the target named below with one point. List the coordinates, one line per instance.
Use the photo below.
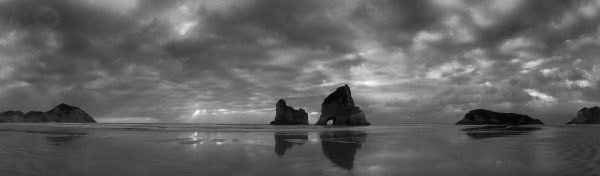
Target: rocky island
(587, 116)
(286, 115)
(339, 107)
(487, 117)
(60, 113)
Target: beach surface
(205, 149)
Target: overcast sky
(229, 61)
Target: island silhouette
(61, 113)
(487, 117)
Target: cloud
(407, 61)
(540, 96)
(127, 120)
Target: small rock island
(339, 107)
(286, 115)
(587, 116)
(487, 117)
(62, 113)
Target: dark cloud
(396, 22)
(229, 61)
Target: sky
(229, 61)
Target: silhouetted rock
(39, 116)
(67, 113)
(12, 116)
(60, 113)
(587, 116)
(340, 146)
(339, 107)
(487, 117)
(286, 115)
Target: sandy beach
(174, 149)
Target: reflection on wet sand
(62, 139)
(340, 146)
(54, 137)
(285, 141)
(498, 131)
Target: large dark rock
(487, 117)
(12, 116)
(587, 116)
(339, 107)
(39, 116)
(60, 113)
(67, 113)
(286, 115)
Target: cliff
(587, 116)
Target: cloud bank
(215, 61)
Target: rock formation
(60, 113)
(339, 107)
(68, 113)
(286, 115)
(487, 117)
(587, 116)
(39, 116)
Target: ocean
(211, 149)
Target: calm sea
(177, 149)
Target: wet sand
(171, 149)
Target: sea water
(200, 149)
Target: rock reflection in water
(285, 141)
(55, 137)
(498, 131)
(340, 146)
(63, 139)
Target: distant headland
(587, 116)
(62, 113)
(487, 117)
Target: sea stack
(487, 117)
(60, 113)
(587, 116)
(339, 107)
(286, 115)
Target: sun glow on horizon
(196, 113)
